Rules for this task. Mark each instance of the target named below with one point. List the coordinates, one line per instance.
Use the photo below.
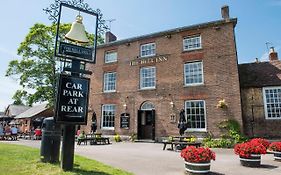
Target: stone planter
(253, 161)
(277, 156)
(197, 168)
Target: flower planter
(197, 168)
(277, 155)
(253, 161)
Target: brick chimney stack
(109, 37)
(272, 54)
(225, 12)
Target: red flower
(201, 154)
(254, 146)
(275, 146)
(262, 141)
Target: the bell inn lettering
(156, 59)
(72, 99)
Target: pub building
(139, 85)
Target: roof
(33, 111)
(171, 31)
(14, 110)
(260, 74)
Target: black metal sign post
(72, 97)
(68, 140)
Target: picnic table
(95, 138)
(181, 141)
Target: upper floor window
(192, 43)
(195, 115)
(147, 77)
(147, 50)
(272, 102)
(110, 57)
(109, 82)
(193, 73)
(108, 116)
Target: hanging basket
(253, 161)
(197, 168)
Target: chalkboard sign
(125, 121)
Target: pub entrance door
(146, 124)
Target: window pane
(110, 82)
(272, 102)
(193, 73)
(195, 112)
(147, 50)
(108, 115)
(110, 57)
(192, 43)
(147, 77)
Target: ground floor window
(108, 115)
(272, 102)
(196, 115)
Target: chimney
(272, 54)
(109, 37)
(225, 12)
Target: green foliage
(231, 135)
(22, 160)
(37, 68)
(117, 138)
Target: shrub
(117, 138)
(195, 155)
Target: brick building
(148, 80)
(261, 97)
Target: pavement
(150, 159)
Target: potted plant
(197, 160)
(275, 147)
(262, 141)
(250, 152)
(222, 104)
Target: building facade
(261, 97)
(140, 85)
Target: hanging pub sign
(80, 43)
(72, 100)
(125, 121)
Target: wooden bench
(93, 140)
(180, 141)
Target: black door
(146, 124)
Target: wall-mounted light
(125, 106)
(172, 104)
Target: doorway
(146, 122)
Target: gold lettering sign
(157, 59)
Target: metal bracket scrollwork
(53, 11)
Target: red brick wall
(218, 54)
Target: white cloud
(7, 89)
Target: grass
(22, 160)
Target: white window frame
(202, 73)
(141, 78)
(107, 56)
(205, 116)
(106, 82)
(189, 44)
(278, 103)
(114, 115)
(144, 46)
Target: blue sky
(259, 21)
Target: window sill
(144, 89)
(196, 130)
(108, 129)
(191, 50)
(107, 92)
(109, 63)
(192, 85)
